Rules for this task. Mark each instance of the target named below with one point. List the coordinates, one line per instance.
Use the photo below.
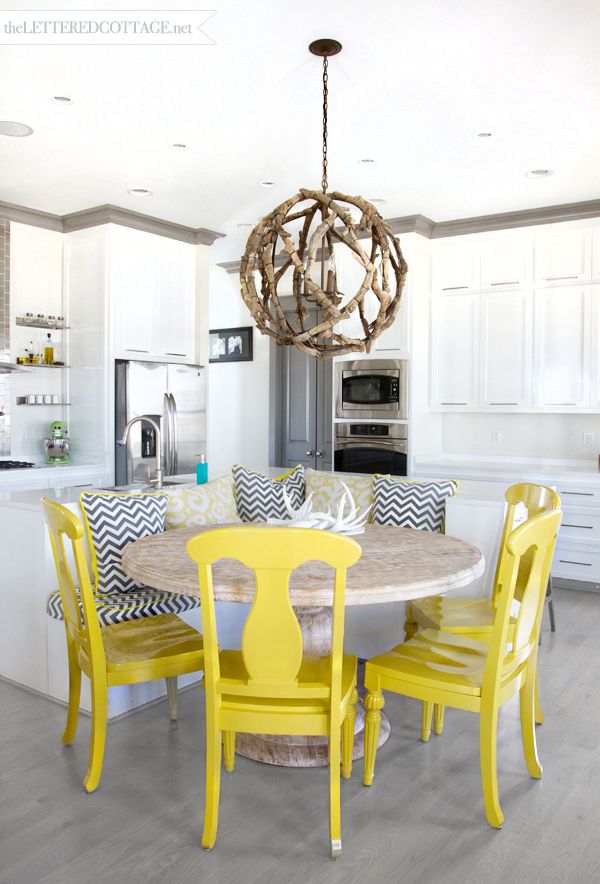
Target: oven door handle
(399, 445)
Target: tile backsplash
(4, 335)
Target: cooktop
(14, 464)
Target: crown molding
(523, 218)
(477, 224)
(33, 217)
(108, 214)
(412, 224)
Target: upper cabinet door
(596, 252)
(506, 259)
(595, 356)
(133, 292)
(174, 334)
(455, 264)
(455, 352)
(563, 336)
(563, 255)
(506, 350)
(396, 336)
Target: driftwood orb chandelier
(298, 238)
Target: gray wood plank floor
(422, 820)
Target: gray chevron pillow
(407, 504)
(259, 498)
(113, 521)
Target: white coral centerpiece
(352, 522)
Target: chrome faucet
(158, 478)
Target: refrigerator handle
(174, 437)
(167, 435)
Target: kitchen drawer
(579, 495)
(580, 524)
(576, 562)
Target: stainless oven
(372, 389)
(371, 448)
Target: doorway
(301, 409)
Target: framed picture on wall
(230, 344)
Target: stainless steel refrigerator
(174, 393)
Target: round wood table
(397, 565)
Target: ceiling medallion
(298, 237)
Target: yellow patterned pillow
(327, 489)
(192, 507)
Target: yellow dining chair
(270, 686)
(458, 671)
(475, 616)
(163, 646)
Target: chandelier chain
(324, 182)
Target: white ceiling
(415, 83)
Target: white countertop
(506, 469)
(43, 470)
(30, 500)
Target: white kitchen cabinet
(506, 350)
(455, 352)
(563, 255)
(595, 349)
(152, 288)
(456, 264)
(596, 252)
(562, 343)
(506, 259)
(174, 337)
(133, 292)
(396, 336)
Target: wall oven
(372, 389)
(371, 448)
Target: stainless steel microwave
(372, 389)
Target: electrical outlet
(588, 439)
(496, 437)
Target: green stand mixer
(57, 444)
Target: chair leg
(172, 695)
(99, 691)
(229, 750)
(213, 783)
(373, 703)
(426, 716)
(539, 715)
(527, 706)
(438, 718)
(74, 695)
(550, 605)
(488, 735)
(335, 822)
(348, 737)
(411, 627)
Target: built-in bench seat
(121, 607)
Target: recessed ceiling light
(267, 183)
(366, 161)
(15, 130)
(377, 200)
(62, 99)
(178, 145)
(244, 224)
(539, 173)
(139, 191)
(484, 134)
